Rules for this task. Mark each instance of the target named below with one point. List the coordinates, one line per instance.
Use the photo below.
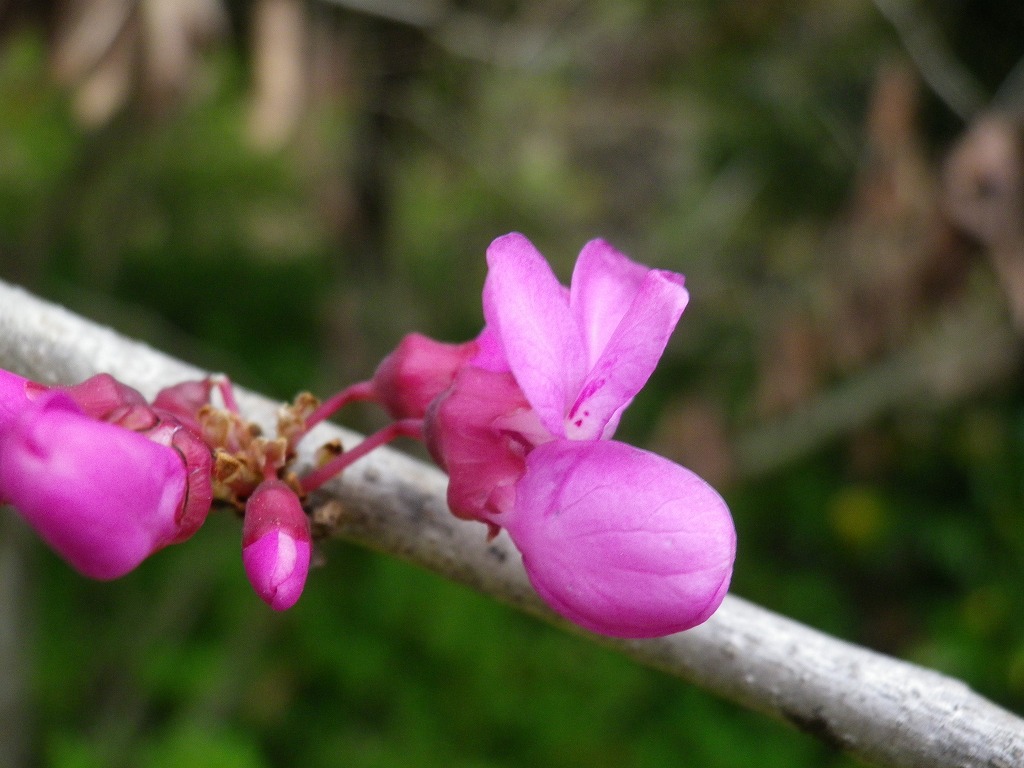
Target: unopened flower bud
(416, 372)
(276, 544)
(102, 496)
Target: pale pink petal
(621, 541)
(102, 496)
(629, 358)
(276, 547)
(184, 400)
(604, 285)
(101, 395)
(529, 311)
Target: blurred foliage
(721, 139)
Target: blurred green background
(281, 189)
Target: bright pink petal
(529, 311)
(604, 285)
(276, 565)
(13, 396)
(630, 356)
(102, 496)
(198, 459)
(621, 541)
(276, 547)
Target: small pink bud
(276, 544)
(416, 372)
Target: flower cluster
(618, 540)
(107, 478)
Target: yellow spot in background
(985, 609)
(857, 516)
(1015, 672)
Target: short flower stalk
(522, 418)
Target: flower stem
(402, 428)
(227, 392)
(361, 391)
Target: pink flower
(276, 545)
(580, 354)
(621, 541)
(618, 540)
(573, 359)
(102, 496)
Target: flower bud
(102, 496)
(276, 544)
(417, 371)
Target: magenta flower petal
(621, 541)
(198, 460)
(276, 547)
(529, 311)
(479, 432)
(183, 402)
(629, 356)
(13, 396)
(102, 496)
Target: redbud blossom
(276, 545)
(621, 541)
(104, 397)
(618, 540)
(102, 496)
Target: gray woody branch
(878, 708)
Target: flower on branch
(614, 538)
(619, 540)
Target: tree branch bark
(880, 709)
